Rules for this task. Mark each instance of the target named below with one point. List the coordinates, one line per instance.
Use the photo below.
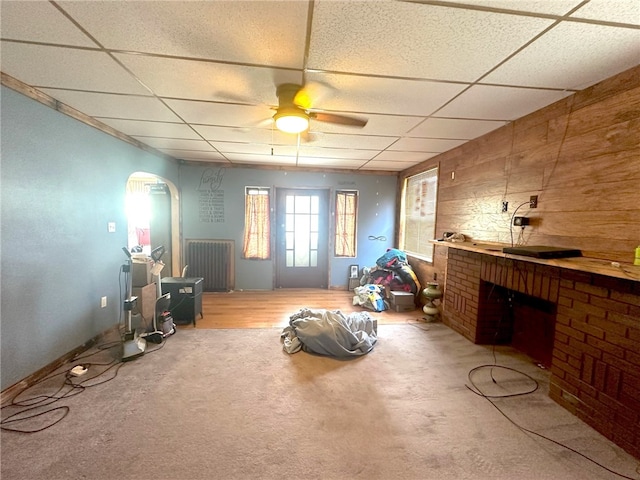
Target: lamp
(291, 120)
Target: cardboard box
(146, 301)
(402, 298)
(141, 274)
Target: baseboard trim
(9, 393)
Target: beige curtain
(257, 230)
(346, 209)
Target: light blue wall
(62, 182)
(376, 214)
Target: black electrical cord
(513, 216)
(68, 388)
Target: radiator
(213, 260)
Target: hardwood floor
(269, 309)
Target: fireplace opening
(512, 318)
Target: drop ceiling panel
(329, 162)
(191, 79)
(39, 22)
(66, 68)
(113, 105)
(265, 33)
(456, 128)
(555, 7)
(543, 64)
(194, 155)
(392, 125)
(362, 142)
(622, 11)
(344, 153)
(499, 103)
(414, 40)
(141, 128)
(425, 144)
(403, 156)
(207, 113)
(389, 166)
(254, 149)
(352, 93)
(262, 159)
(176, 143)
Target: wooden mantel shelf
(597, 266)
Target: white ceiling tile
(39, 22)
(191, 79)
(221, 114)
(425, 144)
(261, 159)
(414, 40)
(622, 11)
(555, 7)
(254, 148)
(499, 103)
(113, 105)
(454, 128)
(142, 128)
(176, 143)
(344, 153)
(403, 156)
(389, 166)
(361, 142)
(330, 162)
(353, 93)
(588, 54)
(391, 125)
(266, 33)
(66, 68)
(193, 154)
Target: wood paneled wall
(580, 155)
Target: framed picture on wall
(353, 271)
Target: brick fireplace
(590, 323)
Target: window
(418, 214)
(257, 224)
(346, 220)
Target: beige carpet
(230, 404)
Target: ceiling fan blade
(339, 119)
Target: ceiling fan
(293, 114)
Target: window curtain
(257, 231)
(346, 209)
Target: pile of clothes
(330, 332)
(391, 272)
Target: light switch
(111, 227)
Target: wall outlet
(505, 206)
(103, 302)
(111, 227)
(533, 201)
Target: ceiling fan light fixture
(291, 120)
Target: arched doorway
(152, 208)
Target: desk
(186, 297)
